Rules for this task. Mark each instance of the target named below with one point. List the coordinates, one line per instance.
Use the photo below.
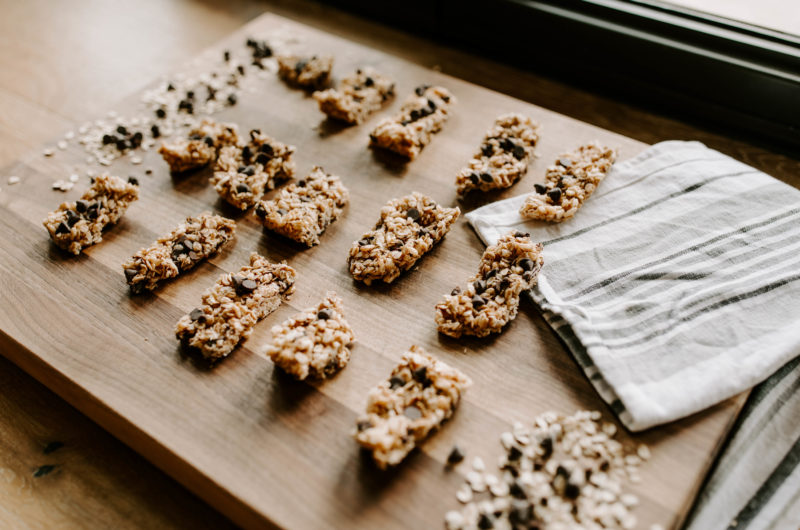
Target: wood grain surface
(259, 446)
(52, 56)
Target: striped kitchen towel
(676, 286)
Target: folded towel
(676, 286)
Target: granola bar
(503, 156)
(180, 250)
(200, 147)
(422, 115)
(243, 174)
(408, 228)
(491, 298)
(402, 411)
(357, 96)
(305, 72)
(314, 343)
(77, 225)
(569, 182)
(303, 210)
(233, 306)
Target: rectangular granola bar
(303, 210)
(422, 115)
(233, 306)
(408, 228)
(402, 411)
(180, 250)
(243, 174)
(200, 147)
(569, 182)
(491, 298)
(357, 96)
(503, 156)
(77, 225)
(315, 342)
(305, 72)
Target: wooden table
(91, 463)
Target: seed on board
(13, 180)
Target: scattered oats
(104, 162)
(476, 481)
(73, 178)
(629, 499)
(453, 520)
(48, 152)
(478, 465)
(62, 185)
(69, 135)
(644, 452)
(90, 173)
(136, 160)
(62, 144)
(507, 439)
(13, 180)
(464, 495)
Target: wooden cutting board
(263, 449)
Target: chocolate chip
(122, 144)
(554, 194)
(226, 55)
(186, 105)
(242, 188)
(196, 314)
(363, 425)
(485, 522)
(486, 177)
(209, 141)
(478, 302)
(479, 286)
(526, 264)
(396, 382)
(133, 180)
(155, 131)
(369, 81)
(232, 99)
(520, 515)
(161, 113)
(323, 314)
(301, 183)
(487, 150)
(81, 206)
(420, 374)
(415, 115)
(514, 453)
(249, 171)
(130, 274)
(516, 490)
(455, 456)
(421, 89)
(491, 274)
(565, 162)
(572, 491)
(136, 139)
(474, 178)
(72, 218)
(240, 69)
(547, 446)
(266, 148)
(262, 159)
(412, 413)
(518, 152)
(170, 87)
(413, 214)
(211, 93)
(109, 139)
(506, 144)
(247, 153)
(455, 291)
(122, 130)
(503, 285)
(431, 105)
(538, 188)
(260, 211)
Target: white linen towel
(677, 284)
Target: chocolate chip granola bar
(180, 250)
(402, 411)
(303, 210)
(243, 174)
(357, 96)
(315, 342)
(422, 115)
(233, 306)
(77, 225)
(503, 156)
(305, 72)
(200, 147)
(408, 228)
(491, 298)
(569, 183)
